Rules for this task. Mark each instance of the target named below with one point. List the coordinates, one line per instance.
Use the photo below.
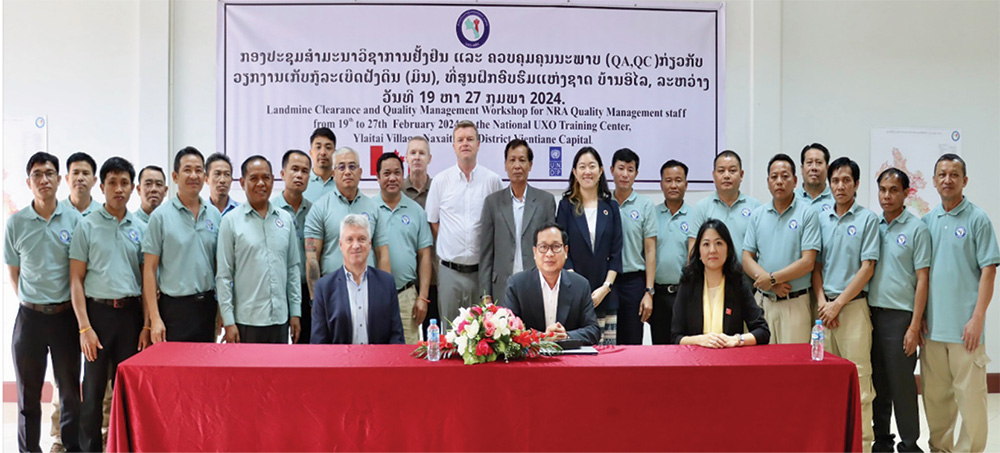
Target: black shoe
(882, 447)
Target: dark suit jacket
(497, 236)
(606, 255)
(331, 316)
(575, 309)
(689, 311)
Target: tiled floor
(10, 426)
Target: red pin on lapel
(729, 311)
(605, 212)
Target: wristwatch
(773, 281)
(651, 290)
(741, 340)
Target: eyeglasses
(554, 248)
(351, 167)
(37, 175)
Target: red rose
(477, 310)
(483, 348)
(492, 308)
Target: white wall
(122, 75)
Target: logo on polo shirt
(634, 214)
(684, 227)
(367, 217)
(793, 224)
(960, 232)
(901, 240)
(827, 207)
(852, 231)
(133, 235)
(64, 236)
(209, 225)
(405, 219)
(745, 212)
(278, 223)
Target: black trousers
(631, 288)
(35, 336)
(189, 318)
(118, 331)
(306, 320)
(663, 313)
(892, 376)
(433, 312)
(276, 334)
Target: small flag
(729, 311)
(375, 154)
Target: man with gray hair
(322, 228)
(454, 210)
(357, 303)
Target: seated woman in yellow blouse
(714, 301)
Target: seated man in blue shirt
(549, 298)
(357, 303)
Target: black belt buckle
(49, 309)
(200, 297)
(118, 303)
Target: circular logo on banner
(955, 136)
(793, 224)
(901, 239)
(40, 123)
(851, 230)
(133, 235)
(473, 28)
(405, 219)
(278, 223)
(555, 153)
(209, 225)
(960, 232)
(634, 214)
(745, 212)
(64, 236)
(684, 227)
(827, 207)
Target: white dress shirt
(456, 205)
(550, 299)
(518, 206)
(359, 306)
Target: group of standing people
(321, 262)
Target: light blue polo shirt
(186, 247)
(737, 217)
(821, 204)
(139, 214)
(40, 249)
(638, 223)
(230, 205)
(671, 243)
(323, 222)
(258, 283)
(408, 232)
(778, 240)
(112, 251)
(847, 241)
(963, 243)
(316, 188)
(94, 206)
(300, 225)
(906, 247)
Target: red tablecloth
(212, 397)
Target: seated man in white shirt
(550, 299)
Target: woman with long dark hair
(592, 221)
(714, 302)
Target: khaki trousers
(790, 320)
(852, 340)
(411, 330)
(953, 381)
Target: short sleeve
(922, 247)
(870, 245)
(381, 235)
(750, 238)
(433, 203)
(10, 254)
(79, 246)
(424, 236)
(812, 231)
(152, 241)
(314, 221)
(987, 253)
(649, 227)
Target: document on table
(583, 350)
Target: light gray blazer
(496, 240)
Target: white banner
(648, 77)
(914, 151)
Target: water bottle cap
(818, 322)
(434, 321)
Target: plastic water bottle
(433, 341)
(817, 341)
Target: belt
(115, 303)
(670, 289)
(463, 268)
(790, 295)
(406, 287)
(860, 295)
(48, 309)
(197, 297)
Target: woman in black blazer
(592, 220)
(714, 301)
